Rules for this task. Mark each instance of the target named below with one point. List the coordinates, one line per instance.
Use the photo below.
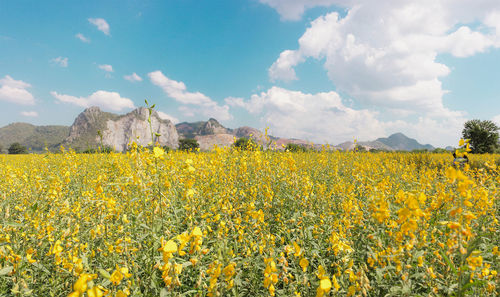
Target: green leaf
(163, 292)
(448, 261)
(6, 270)
(104, 273)
(473, 284)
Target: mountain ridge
(94, 127)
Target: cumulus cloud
(320, 117)
(61, 61)
(292, 10)
(168, 117)
(324, 118)
(105, 67)
(29, 113)
(132, 77)
(82, 38)
(198, 103)
(104, 99)
(101, 25)
(383, 53)
(15, 91)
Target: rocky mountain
(93, 127)
(116, 131)
(210, 127)
(33, 137)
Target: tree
(293, 147)
(1, 149)
(359, 148)
(188, 144)
(17, 148)
(482, 135)
(246, 144)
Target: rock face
(117, 131)
(134, 126)
(207, 142)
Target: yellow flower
(169, 247)
(81, 284)
(123, 293)
(95, 292)
(29, 255)
(325, 284)
(196, 232)
(304, 263)
(116, 277)
(158, 152)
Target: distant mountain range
(395, 142)
(94, 127)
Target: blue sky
(322, 70)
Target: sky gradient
(323, 70)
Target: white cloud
(104, 99)
(29, 113)
(199, 103)
(383, 53)
(168, 117)
(292, 10)
(101, 25)
(15, 91)
(105, 67)
(324, 118)
(132, 77)
(320, 117)
(235, 101)
(61, 61)
(82, 38)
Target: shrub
(17, 148)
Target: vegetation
(37, 138)
(246, 144)
(248, 223)
(293, 147)
(17, 148)
(483, 136)
(188, 144)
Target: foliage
(293, 147)
(359, 148)
(99, 150)
(246, 144)
(188, 144)
(17, 148)
(248, 223)
(482, 135)
(35, 137)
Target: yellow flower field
(248, 223)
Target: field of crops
(248, 223)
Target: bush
(246, 144)
(293, 147)
(188, 144)
(105, 150)
(17, 148)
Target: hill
(395, 142)
(401, 142)
(33, 137)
